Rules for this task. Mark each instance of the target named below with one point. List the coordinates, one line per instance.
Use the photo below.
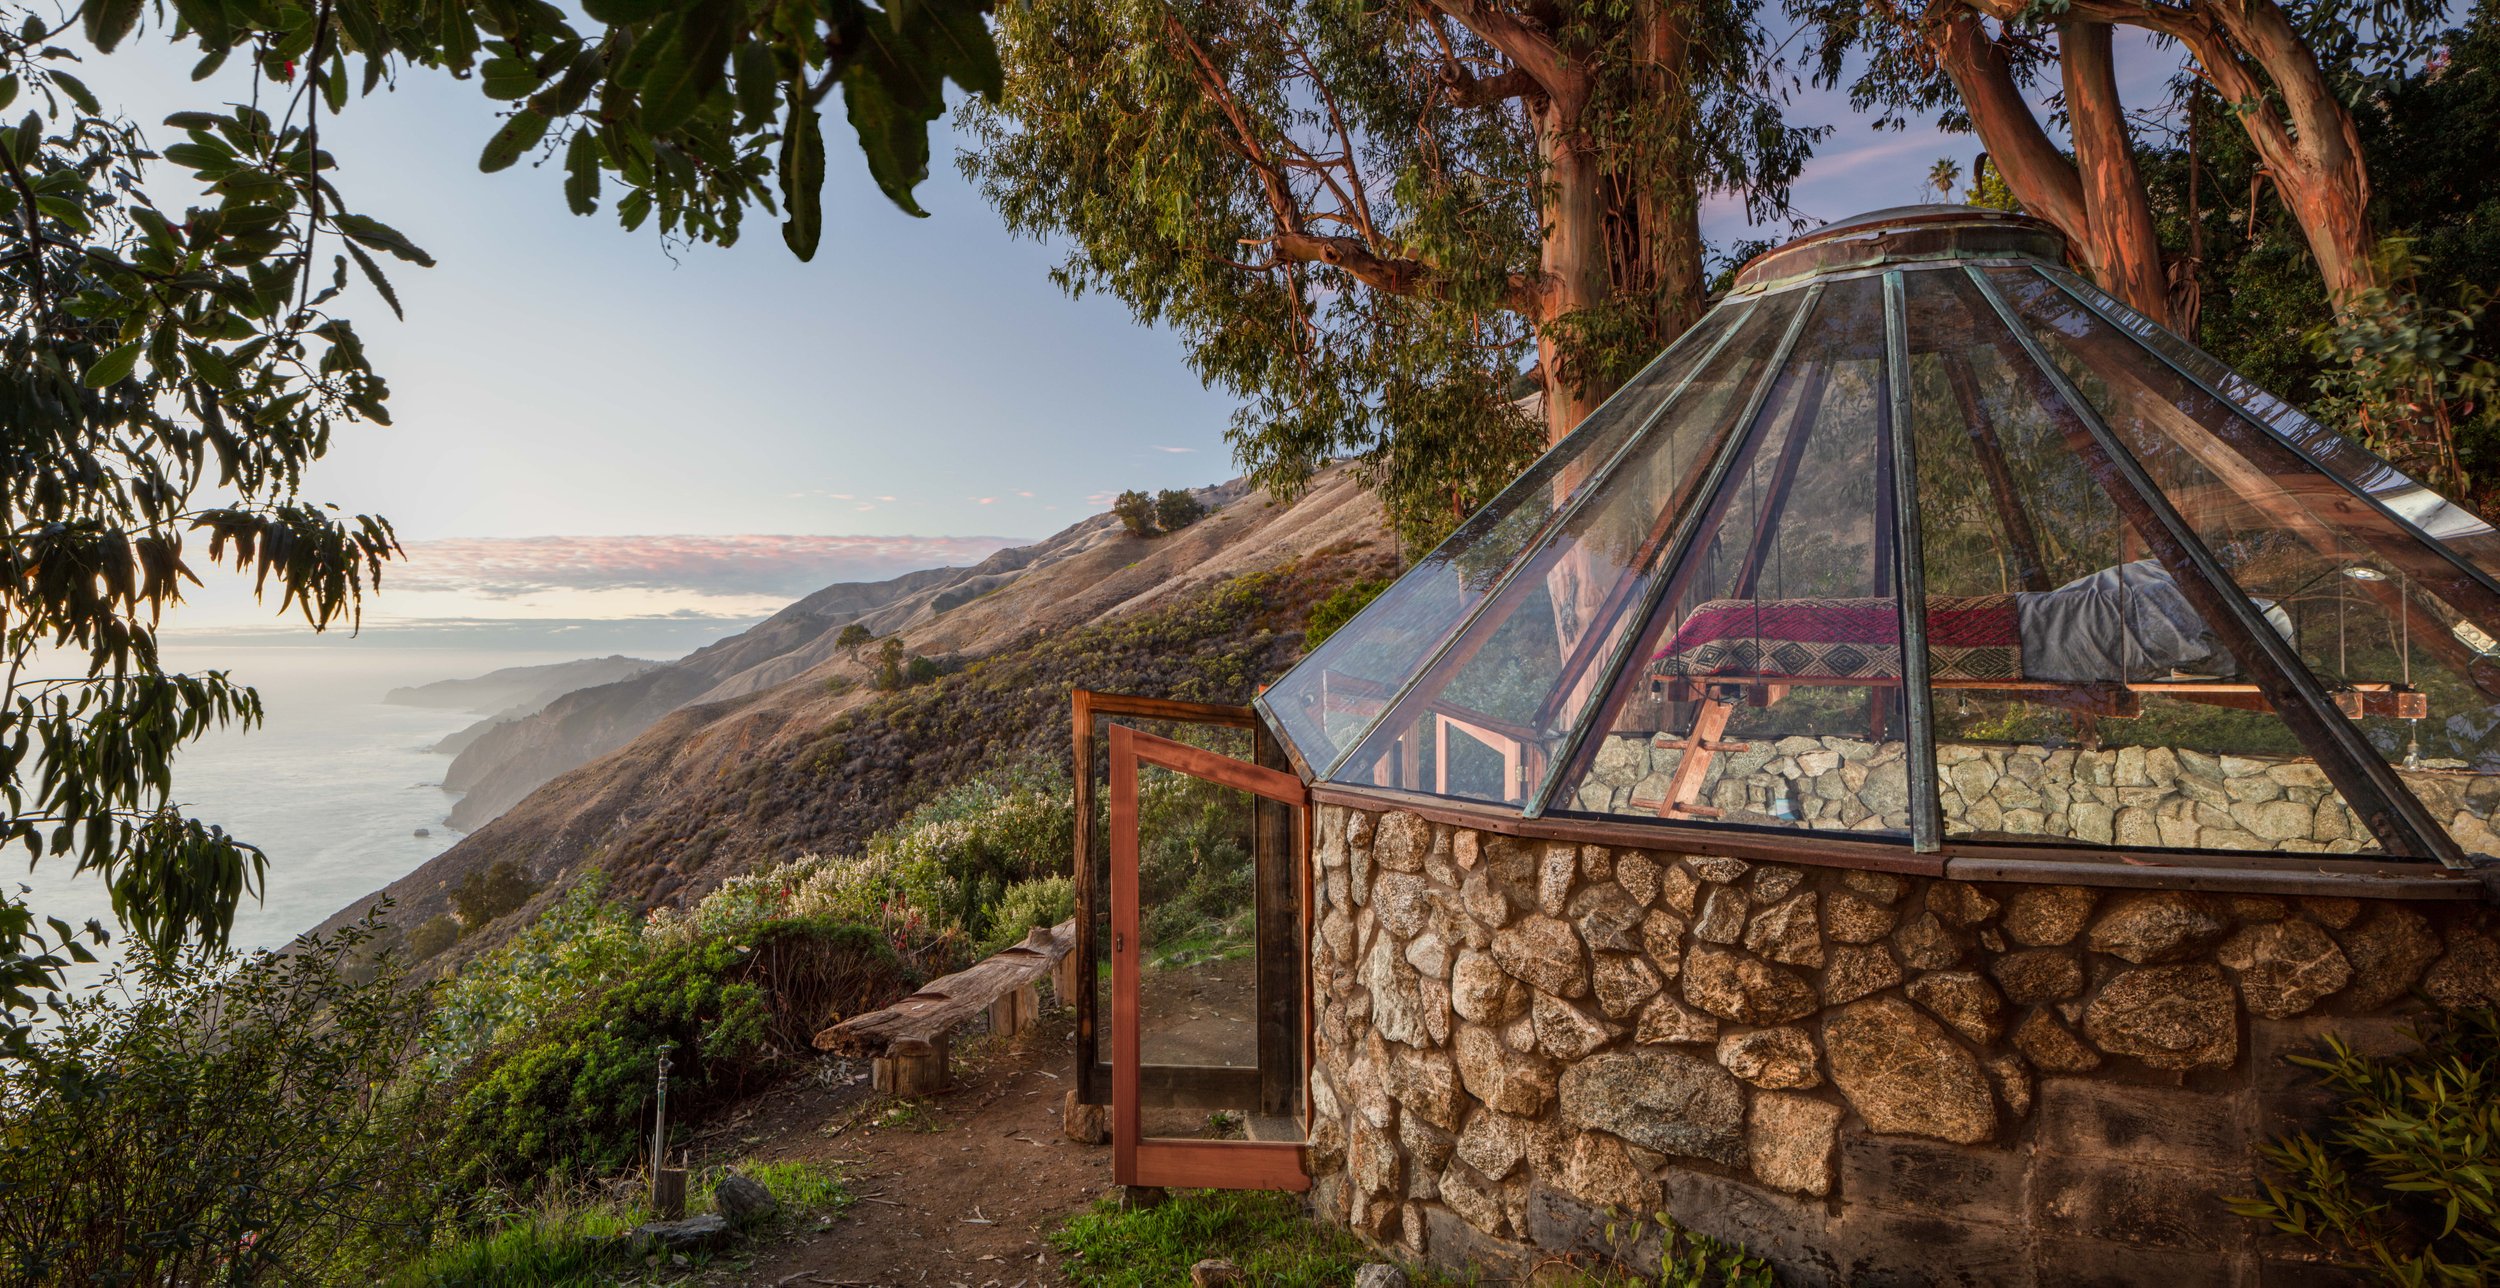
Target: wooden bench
(907, 1042)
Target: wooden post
(1063, 979)
(1016, 1009)
(909, 1070)
(668, 1193)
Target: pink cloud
(717, 565)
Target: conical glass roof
(1920, 537)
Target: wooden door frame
(1181, 1087)
(1214, 1164)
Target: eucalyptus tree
(1380, 222)
(2285, 72)
(170, 377)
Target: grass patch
(802, 1188)
(554, 1247)
(1263, 1233)
(909, 1115)
(563, 1244)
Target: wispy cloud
(1176, 451)
(509, 568)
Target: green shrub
(2406, 1186)
(1041, 902)
(432, 936)
(1176, 509)
(568, 1092)
(1136, 512)
(485, 895)
(1339, 608)
(222, 1120)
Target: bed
(2127, 624)
(2095, 646)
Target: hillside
(787, 752)
(501, 765)
(513, 686)
(512, 693)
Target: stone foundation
(2127, 796)
(1866, 1078)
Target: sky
(591, 426)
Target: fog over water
(334, 785)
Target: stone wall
(2132, 796)
(1868, 1078)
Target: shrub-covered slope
(817, 763)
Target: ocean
(335, 785)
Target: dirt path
(959, 1191)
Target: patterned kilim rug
(1973, 638)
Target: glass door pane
(1198, 940)
(1206, 1081)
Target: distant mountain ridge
(755, 767)
(500, 765)
(516, 685)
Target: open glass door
(1191, 845)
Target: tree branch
(1464, 90)
(1534, 52)
(2041, 176)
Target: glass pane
(2468, 536)
(1224, 741)
(2127, 721)
(1327, 702)
(1485, 723)
(1769, 688)
(1198, 943)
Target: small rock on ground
(742, 1199)
(1216, 1272)
(1380, 1274)
(683, 1236)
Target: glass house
(1920, 542)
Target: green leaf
(689, 66)
(381, 284)
(567, 95)
(518, 135)
(759, 85)
(633, 208)
(897, 148)
(114, 366)
(581, 173)
(621, 13)
(803, 177)
(381, 236)
(108, 21)
(77, 91)
(508, 79)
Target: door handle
(1119, 942)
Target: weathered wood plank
(921, 1022)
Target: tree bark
(2317, 163)
(2251, 54)
(1671, 223)
(2043, 180)
(2120, 243)
(1577, 269)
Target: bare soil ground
(959, 1190)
